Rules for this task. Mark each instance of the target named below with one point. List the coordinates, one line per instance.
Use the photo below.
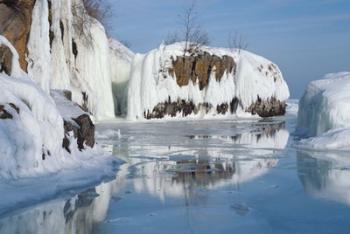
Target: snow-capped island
(169, 81)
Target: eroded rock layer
(199, 67)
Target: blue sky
(306, 38)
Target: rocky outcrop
(268, 108)
(199, 67)
(83, 130)
(75, 120)
(15, 24)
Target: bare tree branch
(191, 32)
(236, 41)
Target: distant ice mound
(209, 82)
(324, 113)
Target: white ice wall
(325, 105)
(58, 68)
(121, 60)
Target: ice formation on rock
(166, 81)
(324, 113)
(69, 50)
(32, 128)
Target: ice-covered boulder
(32, 133)
(324, 112)
(325, 104)
(168, 82)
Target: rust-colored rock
(15, 24)
(199, 67)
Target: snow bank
(72, 47)
(151, 83)
(324, 113)
(121, 60)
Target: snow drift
(167, 81)
(324, 113)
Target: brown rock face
(199, 67)
(268, 108)
(84, 132)
(15, 23)
(5, 60)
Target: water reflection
(183, 165)
(80, 214)
(325, 175)
(202, 161)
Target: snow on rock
(72, 47)
(324, 113)
(16, 70)
(32, 130)
(167, 81)
(121, 60)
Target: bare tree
(172, 37)
(83, 17)
(192, 34)
(237, 41)
(97, 9)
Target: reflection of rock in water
(325, 175)
(209, 161)
(202, 172)
(261, 130)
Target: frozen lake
(208, 176)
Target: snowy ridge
(69, 50)
(324, 113)
(151, 83)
